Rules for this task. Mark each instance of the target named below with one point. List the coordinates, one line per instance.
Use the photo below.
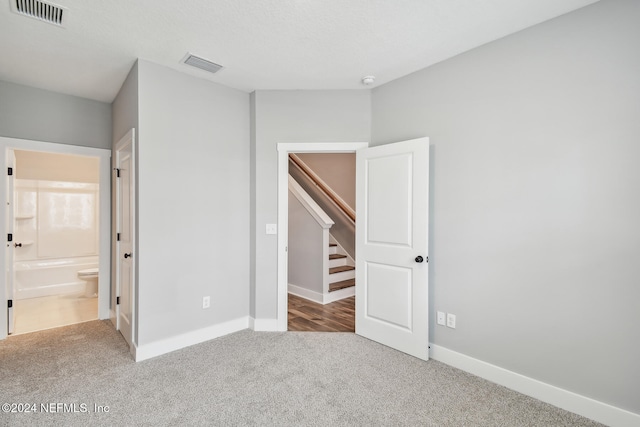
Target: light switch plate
(272, 228)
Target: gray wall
(193, 203)
(535, 201)
(124, 111)
(305, 248)
(41, 115)
(343, 229)
(124, 108)
(293, 116)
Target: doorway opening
(55, 239)
(392, 195)
(284, 149)
(321, 282)
(57, 223)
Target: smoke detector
(203, 64)
(368, 80)
(41, 10)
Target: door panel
(125, 285)
(389, 295)
(389, 226)
(392, 186)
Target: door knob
(17, 245)
(419, 259)
(129, 255)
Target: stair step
(342, 285)
(336, 256)
(341, 268)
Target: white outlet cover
(441, 319)
(451, 320)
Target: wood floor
(305, 315)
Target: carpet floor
(83, 375)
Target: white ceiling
(263, 44)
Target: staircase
(342, 275)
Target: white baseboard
(339, 294)
(321, 298)
(573, 402)
(263, 325)
(305, 293)
(158, 348)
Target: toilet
(90, 275)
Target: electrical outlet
(441, 318)
(206, 302)
(451, 320)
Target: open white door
(125, 240)
(9, 274)
(392, 201)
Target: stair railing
(331, 195)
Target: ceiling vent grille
(43, 11)
(201, 63)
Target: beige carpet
(249, 378)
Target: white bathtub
(50, 277)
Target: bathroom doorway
(55, 239)
(57, 221)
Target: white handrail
(310, 205)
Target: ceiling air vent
(201, 63)
(43, 11)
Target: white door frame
(283, 208)
(104, 249)
(130, 335)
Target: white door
(392, 201)
(9, 274)
(125, 237)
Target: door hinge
(10, 171)
(9, 237)
(117, 300)
(118, 237)
(117, 172)
(10, 303)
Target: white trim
(128, 139)
(309, 204)
(283, 205)
(104, 155)
(263, 325)
(319, 298)
(314, 296)
(147, 351)
(339, 294)
(570, 401)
